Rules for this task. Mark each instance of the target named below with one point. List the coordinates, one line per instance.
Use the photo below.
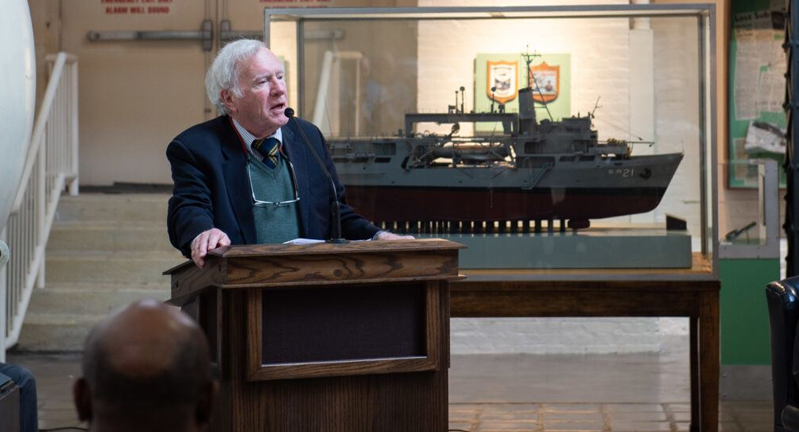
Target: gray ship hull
(577, 190)
(532, 171)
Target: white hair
(224, 72)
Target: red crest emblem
(545, 82)
(501, 76)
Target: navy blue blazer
(212, 190)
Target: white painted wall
(134, 97)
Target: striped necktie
(269, 149)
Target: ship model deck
(533, 173)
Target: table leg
(693, 361)
(709, 362)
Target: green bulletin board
(757, 88)
(558, 70)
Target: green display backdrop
(744, 313)
(554, 78)
(757, 88)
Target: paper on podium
(305, 241)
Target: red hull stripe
(442, 204)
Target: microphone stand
(335, 235)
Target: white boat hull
(17, 97)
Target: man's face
(263, 95)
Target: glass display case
(554, 139)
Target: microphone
(335, 235)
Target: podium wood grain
(283, 266)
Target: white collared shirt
(249, 138)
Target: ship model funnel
(527, 124)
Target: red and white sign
(137, 7)
(545, 82)
(501, 84)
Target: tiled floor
(515, 393)
(565, 417)
(569, 417)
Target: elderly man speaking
(247, 177)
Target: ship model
(531, 175)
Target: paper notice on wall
(760, 63)
(747, 69)
(137, 7)
(771, 85)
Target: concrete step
(113, 207)
(109, 267)
(60, 316)
(56, 332)
(94, 298)
(105, 251)
(109, 236)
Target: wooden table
(688, 293)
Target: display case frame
(705, 265)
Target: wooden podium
(326, 337)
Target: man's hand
(205, 241)
(386, 235)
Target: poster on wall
(499, 77)
(757, 89)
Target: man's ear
(82, 396)
(227, 98)
(205, 406)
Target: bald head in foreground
(146, 367)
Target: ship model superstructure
(531, 175)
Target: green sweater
(274, 224)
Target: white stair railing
(51, 166)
